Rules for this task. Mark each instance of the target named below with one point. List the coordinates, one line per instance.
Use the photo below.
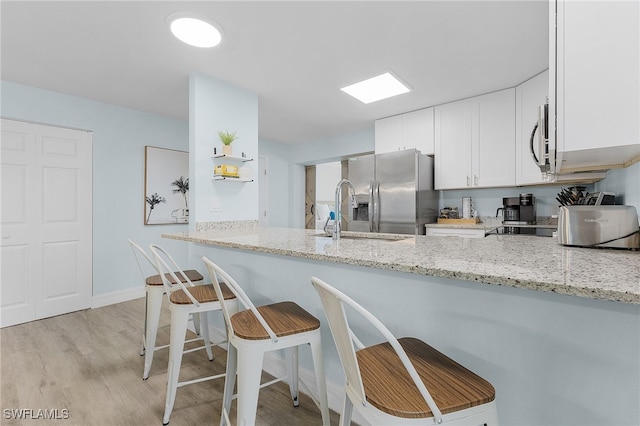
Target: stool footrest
(202, 379)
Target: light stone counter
(530, 262)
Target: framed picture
(166, 186)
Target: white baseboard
(117, 297)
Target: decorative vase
(226, 150)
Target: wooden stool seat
(389, 387)
(284, 318)
(192, 274)
(202, 293)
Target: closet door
(46, 221)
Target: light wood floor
(88, 362)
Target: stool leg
(347, 410)
(292, 373)
(204, 326)
(154, 305)
(179, 320)
(229, 381)
(249, 375)
(318, 366)
(144, 329)
(196, 322)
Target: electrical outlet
(215, 205)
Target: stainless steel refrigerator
(394, 193)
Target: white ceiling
(295, 54)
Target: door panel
(310, 198)
(396, 174)
(66, 221)
(46, 221)
(17, 292)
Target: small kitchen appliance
(599, 226)
(518, 211)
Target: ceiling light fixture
(376, 88)
(195, 30)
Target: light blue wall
(487, 201)
(282, 174)
(119, 137)
(215, 105)
(287, 175)
(625, 183)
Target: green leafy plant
(182, 187)
(152, 201)
(227, 138)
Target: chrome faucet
(337, 223)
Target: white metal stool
(154, 290)
(253, 332)
(402, 381)
(185, 301)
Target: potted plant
(227, 138)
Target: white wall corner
(117, 297)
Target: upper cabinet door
(475, 142)
(530, 95)
(388, 134)
(494, 151)
(405, 131)
(454, 134)
(595, 53)
(418, 130)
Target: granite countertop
(523, 261)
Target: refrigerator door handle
(376, 206)
(370, 207)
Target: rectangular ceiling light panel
(376, 88)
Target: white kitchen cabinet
(406, 131)
(530, 95)
(388, 134)
(595, 95)
(474, 142)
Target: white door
(263, 191)
(46, 221)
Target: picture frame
(166, 186)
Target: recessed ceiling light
(376, 88)
(195, 30)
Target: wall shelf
(231, 158)
(231, 179)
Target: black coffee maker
(518, 211)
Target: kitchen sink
(365, 236)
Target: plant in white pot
(227, 139)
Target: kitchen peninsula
(530, 262)
(555, 329)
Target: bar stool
(405, 381)
(254, 331)
(184, 301)
(154, 289)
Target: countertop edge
(565, 289)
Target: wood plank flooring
(88, 363)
